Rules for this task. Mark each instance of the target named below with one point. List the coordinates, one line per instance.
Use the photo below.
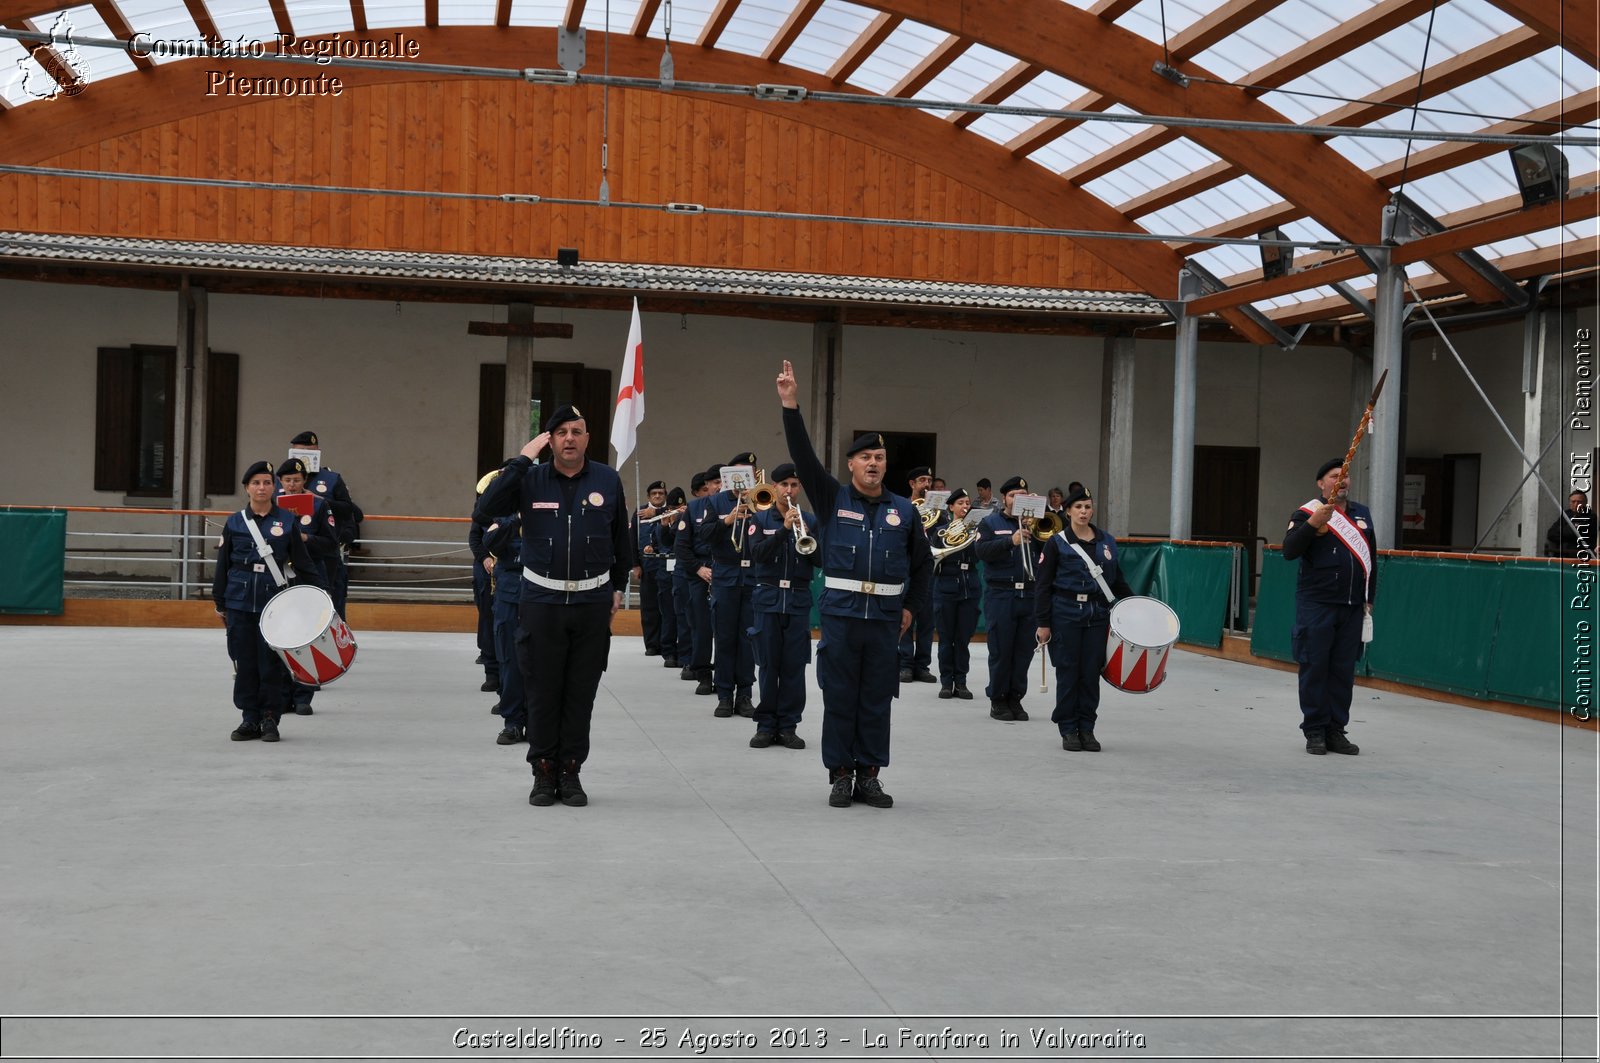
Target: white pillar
(1542, 417)
(1183, 402)
(519, 380)
(1383, 492)
(1115, 489)
(823, 420)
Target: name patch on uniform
(596, 498)
(544, 505)
(847, 515)
(277, 529)
(322, 489)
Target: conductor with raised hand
(877, 569)
(576, 555)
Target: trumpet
(760, 498)
(804, 544)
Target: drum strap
(1094, 570)
(264, 550)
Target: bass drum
(1141, 635)
(303, 628)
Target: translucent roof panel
(529, 12)
(897, 56)
(86, 22)
(1479, 181)
(164, 20)
(1158, 168)
(594, 17)
(387, 14)
(1047, 91)
(754, 24)
(1149, 18)
(972, 72)
(17, 74)
(834, 28)
(1085, 141)
(251, 19)
(311, 18)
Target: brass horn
(956, 536)
(1042, 528)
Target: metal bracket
(685, 208)
(542, 76)
(1355, 298)
(571, 50)
(1404, 220)
(781, 93)
(1209, 284)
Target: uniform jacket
(242, 580)
(1067, 593)
(781, 575)
(1002, 561)
(1330, 574)
(958, 577)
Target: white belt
(744, 564)
(568, 585)
(672, 564)
(839, 583)
(965, 566)
(783, 584)
(1081, 597)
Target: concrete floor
(1201, 884)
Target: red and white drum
(301, 624)
(1141, 634)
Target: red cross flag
(630, 396)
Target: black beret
(304, 439)
(985, 482)
(783, 472)
(955, 496)
(256, 470)
(1328, 466)
(697, 481)
(291, 467)
(714, 473)
(747, 457)
(865, 441)
(560, 416)
(1080, 495)
(1016, 483)
(675, 497)
(656, 485)
(920, 470)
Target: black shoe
(687, 675)
(1071, 742)
(494, 710)
(1090, 743)
(1316, 742)
(706, 687)
(945, 693)
(843, 784)
(509, 736)
(791, 740)
(571, 787)
(246, 732)
(922, 675)
(869, 790)
(1338, 743)
(905, 675)
(302, 710)
(669, 662)
(652, 653)
(762, 739)
(1018, 713)
(962, 692)
(491, 686)
(544, 783)
(1000, 710)
(724, 707)
(744, 706)
(480, 660)
(269, 729)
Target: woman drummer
(1073, 613)
(243, 584)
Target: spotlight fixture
(567, 257)
(1275, 261)
(1541, 172)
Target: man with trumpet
(728, 532)
(1009, 551)
(785, 555)
(916, 645)
(649, 565)
(957, 591)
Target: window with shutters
(135, 393)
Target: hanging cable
(1416, 104)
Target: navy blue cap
(560, 416)
(786, 471)
(291, 467)
(1328, 466)
(1080, 495)
(305, 439)
(748, 457)
(256, 470)
(865, 441)
(656, 485)
(955, 496)
(1016, 483)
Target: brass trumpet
(804, 544)
(760, 498)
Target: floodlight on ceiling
(1541, 172)
(1275, 259)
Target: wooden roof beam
(1569, 24)
(1216, 26)
(280, 16)
(932, 65)
(998, 90)
(1350, 34)
(570, 21)
(118, 24)
(1111, 10)
(645, 18)
(862, 47)
(717, 22)
(792, 27)
(47, 57)
(358, 13)
(1038, 135)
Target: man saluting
(876, 568)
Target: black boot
(1000, 709)
(962, 692)
(1086, 736)
(1018, 713)
(724, 707)
(269, 728)
(744, 706)
(246, 732)
(1316, 741)
(509, 736)
(669, 662)
(706, 687)
(571, 787)
(762, 739)
(946, 693)
(790, 740)
(1338, 743)
(687, 674)
(544, 783)
(1072, 742)
(869, 790)
(843, 783)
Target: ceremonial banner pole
(1349, 455)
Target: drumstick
(1044, 679)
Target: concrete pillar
(1386, 461)
(189, 434)
(1183, 400)
(827, 384)
(519, 381)
(1543, 416)
(1361, 379)
(1114, 492)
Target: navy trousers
(782, 643)
(1079, 653)
(1011, 643)
(513, 695)
(483, 598)
(1327, 644)
(667, 609)
(916, 645)
(957, 621)
(564, 650)
(260, 680)
(650, 610)
(732, 618)
(700, 631)
(682, 591)
(858, 670)
(339, 581)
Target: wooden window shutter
(114, 444)
(222, 423)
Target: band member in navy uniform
(503, 540)
(727, 530)
(1333, 539)
(672, 638)
(576, 555)
(645, 539)
(317, 530)
(916, 645)
(957, 599)
(1008, 554)
(1072, 614)
(331, 486)
(241, 587)
(693, 552)
(483, 594)
(781, 599)
(876, 574)
(677, 574)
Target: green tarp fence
(33, 560)
(1519, 630)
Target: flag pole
(638, 543)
